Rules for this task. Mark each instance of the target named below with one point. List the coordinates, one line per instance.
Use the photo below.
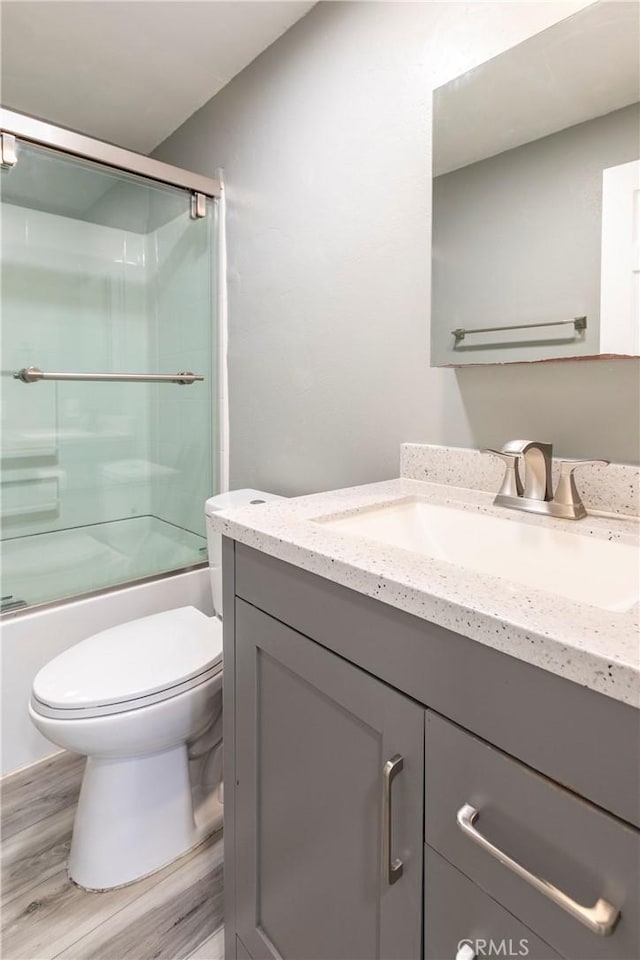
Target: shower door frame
(21, 126)
(45, 134)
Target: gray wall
(325, 141)
(524, 231)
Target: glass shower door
(102, 481)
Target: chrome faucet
(536, 495)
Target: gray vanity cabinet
(313, 735)
(324, 687)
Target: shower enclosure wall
(108, 450)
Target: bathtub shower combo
(109, 397)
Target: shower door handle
(33, 374)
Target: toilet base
(135, 815)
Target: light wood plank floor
(175, 914)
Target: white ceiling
(130, 72)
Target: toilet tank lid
(237, 498)
(132, 660)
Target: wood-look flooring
(175, 914)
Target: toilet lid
(134, 660)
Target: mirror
(536, 198)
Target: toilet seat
(131, 666)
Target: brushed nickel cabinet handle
(391, 868)
(601, 918)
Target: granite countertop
(596, 648)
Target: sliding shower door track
(50, 604)
(24, 127)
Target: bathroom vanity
(422, 761)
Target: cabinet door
(313, 736)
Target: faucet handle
(566, 490)
(511, 482)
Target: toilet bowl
(143, 702)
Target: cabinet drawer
(457, 912)
(545, 831)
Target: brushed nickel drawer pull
(600, 918)
(392, 869)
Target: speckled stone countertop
(597, 648)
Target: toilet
(143, 702)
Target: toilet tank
(226, 501)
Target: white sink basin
(601, 573)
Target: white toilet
(143, 701)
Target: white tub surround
(594, 647)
